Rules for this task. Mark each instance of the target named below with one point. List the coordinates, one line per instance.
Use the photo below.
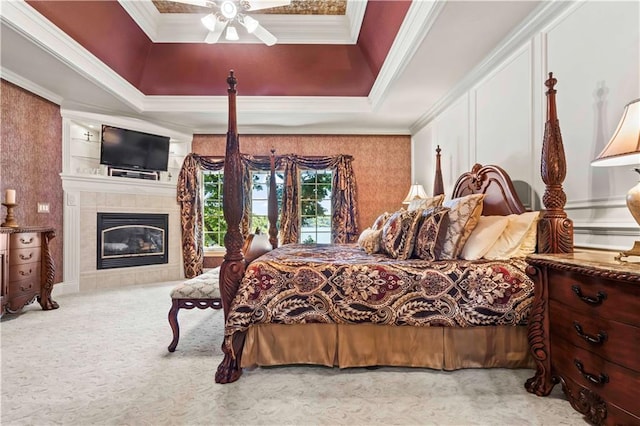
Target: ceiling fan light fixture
(232, 33)
(210, 21)
(250, 23)
(213, 37)
(229, 9)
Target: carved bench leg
(177, 304)
(173, 321)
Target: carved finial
(550, 83)
(438, 150)
(273, 151)
(231, 81)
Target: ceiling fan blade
(266, 4)
(215, 34)
(264, 35)
(203, 3)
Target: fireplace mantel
(119, 185)
(84, 197)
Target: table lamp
(416, 192)
(623, 150)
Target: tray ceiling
(297, 7)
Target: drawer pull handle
(594, 301)
(600, 379)
(23, 257)
(23, 288)
(24, 274)
(23, 241)
(597, 340)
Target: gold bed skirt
(362, 345)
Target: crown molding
(535, 22)
(355, 15)
(27, 21)
(32, 87)
(145, 14)
(289, 29)
(416, 25)
(251, 104)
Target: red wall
(31, 161)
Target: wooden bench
(200, 292)
(203, 291)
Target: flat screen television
(129, 149)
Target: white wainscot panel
(451, 132)
(594, 52)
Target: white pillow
(484, 236)
(513, 236)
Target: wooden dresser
(27, 269)
(584, 332)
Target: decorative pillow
(431, 233)
(380, 221)
(484, 236)
(399, 233)
(369, 240)
(529, 242)
(464, 213)
(426, 203)
(515, 234)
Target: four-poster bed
(417, 313)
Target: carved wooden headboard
(500, 195)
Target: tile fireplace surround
(85, 196)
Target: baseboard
(65, 288)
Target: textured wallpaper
(382, 164)
(31, 161)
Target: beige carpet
(101, 359)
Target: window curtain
(290, 216)
(344, 227)
(189, 184)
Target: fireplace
(132, 239)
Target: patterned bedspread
(299, 283)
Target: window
(260, 199)
(315, 206)
(214, 226)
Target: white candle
(10, 196)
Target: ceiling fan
(226, 13)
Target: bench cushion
(204, 286)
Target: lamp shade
(416, 192)
(624, 147)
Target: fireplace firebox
(132, 239)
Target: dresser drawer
(25, 240)
(21, 292)
(611, 340)
(618, 385)
(597, 410)
(25, 271)
(4, 238)
(25, 255)
(596, 296)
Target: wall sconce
(623, 150)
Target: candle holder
(10, 220)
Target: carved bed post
(438, 186)
(272, 211)
(555, 230)
(555, 235)
(232, 267)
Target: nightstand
(584, 332)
